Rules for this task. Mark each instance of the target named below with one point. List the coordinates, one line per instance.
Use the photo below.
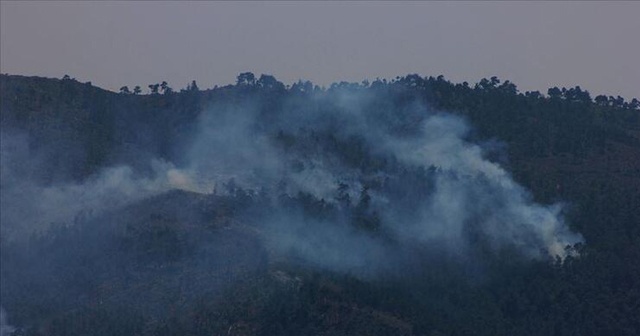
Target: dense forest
(412, 206)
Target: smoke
(473, 191)
(359, 140)
(407, 169)
(351, 181)
(28, 206)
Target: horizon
(536, 46)
(147, 91)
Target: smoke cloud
(427, 183)
(351, 181)
(405, 171)
(28, 206)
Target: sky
(536, 45)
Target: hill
(414, 206)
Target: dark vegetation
(183, 263)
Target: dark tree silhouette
(153, 88)
(246, 79)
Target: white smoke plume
(474, 189)
(467, 194)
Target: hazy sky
(535, 44)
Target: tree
(246, 79)
(602, 100)
(164, 87)
(485, 84)
(270, 83)
(154, 88)
(554, 92)
(617, 101)
(576, 95)
(125, 90)
(302, 87)
(137, 90)
(509, 88)
(533, 94)
(413, 80)
(193, 86)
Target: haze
(537, 45)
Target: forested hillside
(414, 206)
